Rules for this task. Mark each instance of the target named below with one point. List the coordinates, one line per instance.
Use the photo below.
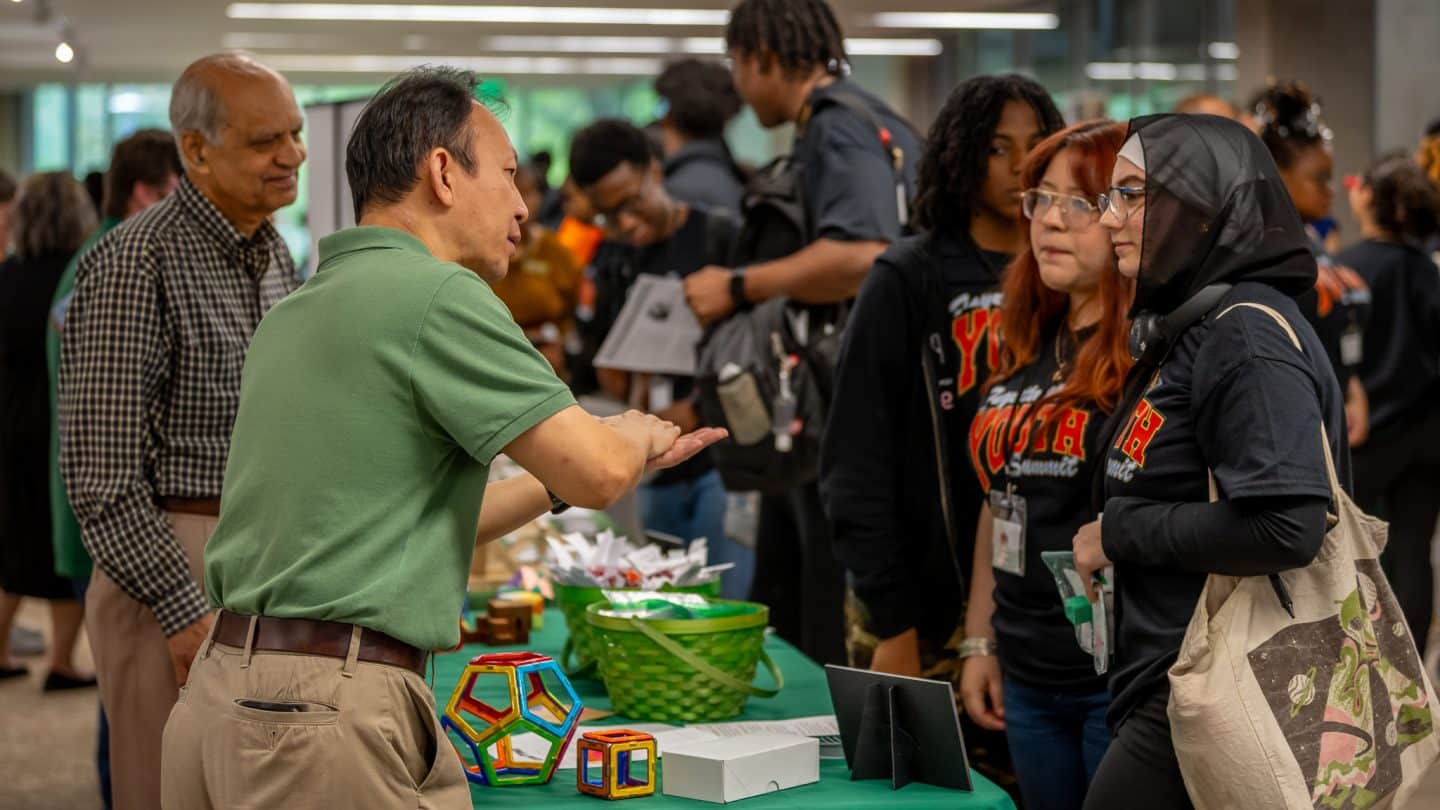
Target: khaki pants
(363, 735)
(137, 680)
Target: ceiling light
(713, 46)
(394, 12)
(1015, 21)
(1224, 50)
(490, 65)
(64, 54)
(1155, 71)
(893, 47)
(579, 44)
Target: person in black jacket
(1397, 472)
(1197, 201)
(699, 99)
(940, 289)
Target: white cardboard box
(729, 769)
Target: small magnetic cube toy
(611, 763)
(504, 694)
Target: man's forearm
(824, 272)
(510, 504)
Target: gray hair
(54, 215)
(195, 104)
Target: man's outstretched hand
(686, 447)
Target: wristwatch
(737, 289)
(977, 647)
(556, 505)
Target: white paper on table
(819, 726)
(533, 747)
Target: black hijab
(1216, 211)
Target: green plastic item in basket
(579, 654)
(682, 670)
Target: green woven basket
(580, 652)
(682, 670)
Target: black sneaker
(6, 673)
(59, 682)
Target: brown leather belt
(192, 506)
(312, 637)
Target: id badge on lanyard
(1007, 542)
(1352, 346)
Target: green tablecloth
(806, 694)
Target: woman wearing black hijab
(1200, 218)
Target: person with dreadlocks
(879, 471)
(1338, 306)
(854, 155)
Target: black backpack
(767, 373)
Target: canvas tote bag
(1329, 710)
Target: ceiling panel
(152, 40)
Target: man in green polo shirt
(372, 403)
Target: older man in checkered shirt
(163, 312)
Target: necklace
(1061, 364)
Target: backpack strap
(844, 96)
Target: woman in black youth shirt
(939, 291)
(1197, 201)
(1033, 445)
(1397, 472)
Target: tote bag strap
(1335, 489)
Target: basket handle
(581, 667)
(707, 669)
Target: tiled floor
(47, 741)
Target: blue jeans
(1056, 742)
(692, 509)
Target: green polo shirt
(371, 405)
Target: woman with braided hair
(937, 291)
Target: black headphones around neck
(1152, 333)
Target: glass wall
(1116, 58)
(75, 126)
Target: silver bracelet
(977, 647)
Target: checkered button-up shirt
(155, 338)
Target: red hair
(1030, 309)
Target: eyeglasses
(629, 205)
(1123, 200)
(1075, 212)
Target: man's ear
(192, 150)
(439, 170)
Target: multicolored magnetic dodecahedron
(609, 761)
(540, 700)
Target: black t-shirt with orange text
(1048, 460)
(1236, 398)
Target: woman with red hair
(1033, 445)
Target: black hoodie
(1232, 396)
(878, 469)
